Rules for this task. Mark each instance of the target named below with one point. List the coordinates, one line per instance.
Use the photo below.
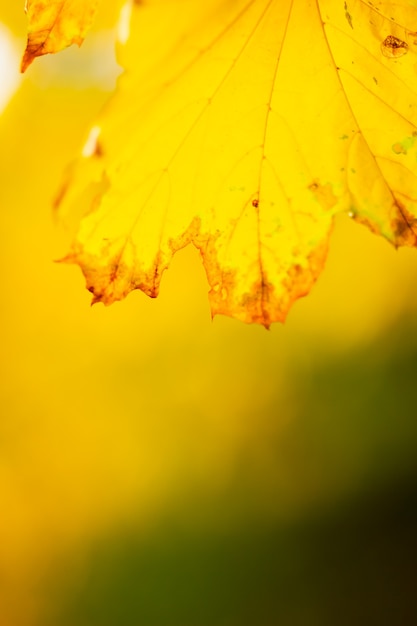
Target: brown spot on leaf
(404, 225)
(98, 150)
(393, 48)
(260, 301)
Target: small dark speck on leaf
(348, 15)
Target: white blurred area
(91, 66)
(10, 77)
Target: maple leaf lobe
(55, 25)
(225, 137)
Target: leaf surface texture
(243, 127)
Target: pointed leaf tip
(55, 25)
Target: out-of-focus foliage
(158, 468)
(55, 25)
(244, 131)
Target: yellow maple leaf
(55, 25)
(243, 128)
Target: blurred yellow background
(158, 468)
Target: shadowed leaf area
(244, 132)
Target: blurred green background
(161, 469)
